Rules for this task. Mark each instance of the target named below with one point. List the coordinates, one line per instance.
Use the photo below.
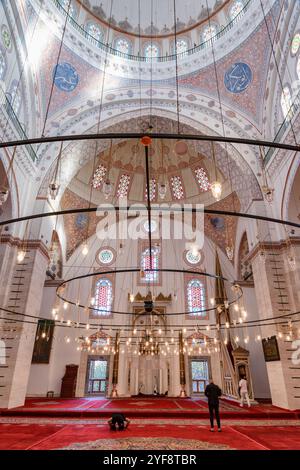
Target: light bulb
(131, 297)
(107, 188)
(237, 339)
(258, 338)
(53, 190)
(43, 335)
(93, 301)
(216, 190)
(227, 324)
(21, 256)
(212, 301)
(162, 190)
(3, 195)
(85, 249)
(207, 327)
(65, 305)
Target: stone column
(275, 297)
(182, 366)
(115, 373)
(20, 293)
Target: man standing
(213, 392)
(243, 386)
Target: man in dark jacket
(213, 392)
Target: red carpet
(143, 407)
(154, 436)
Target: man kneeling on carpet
(118, 420)
(213, 392)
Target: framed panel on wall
(270, 348)
(43, 342)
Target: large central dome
(155, 17)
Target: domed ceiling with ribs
(186, 172)
(155, 17)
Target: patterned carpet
(20, 433)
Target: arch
(54, 269)
(244, 266)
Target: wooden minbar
(69, 380)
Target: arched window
(182, 46)
(195, 297)
(202, 179)
(177, 187)
(286, 102)
(149, 276)
(236, 9)
(2, 65)
(98, 176)
(209, 32)
(94, 31)
(151, 51)
(152, 190)
(122, 45)
(123, 186)
(103, 297)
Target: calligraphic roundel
(65, 77)
(238, 77)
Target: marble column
(20, 293)
(277, 293)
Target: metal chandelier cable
(276, 63)
(55, 69)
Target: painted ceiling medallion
(238, 77)
(65, 77)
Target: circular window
(295, 44)
(106, 256)
(193, 257)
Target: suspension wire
(276, 63)
(176, 68)
(55, 69)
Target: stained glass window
(94, 31)
(202, 179)
(152, 190)
(98, 176)
(209, 32)
(286, 102)
(295, 44)
(151, 51)
(103, 297)
(177, 187)
(236, 9)
(195, 297)
(182, 46)
(149, 276)
(2, 65)
(122, 45)
(106, 256)
(123, 186)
